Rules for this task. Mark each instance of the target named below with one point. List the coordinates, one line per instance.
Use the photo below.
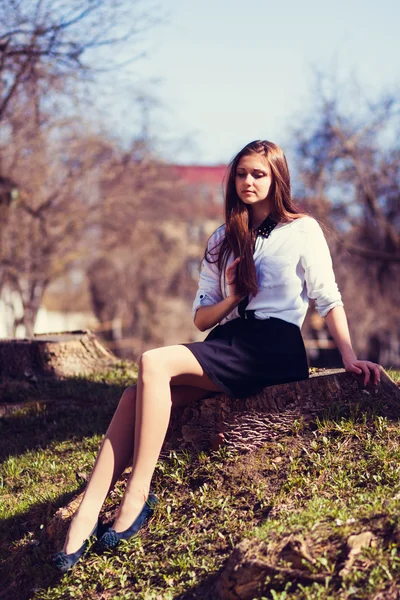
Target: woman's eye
(257, 175)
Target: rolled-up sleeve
(209, 290)
(318, 271)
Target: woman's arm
(322, 287)
(336, 321)
(208, 316)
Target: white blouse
(292, 265)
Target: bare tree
(50, 160)
(140, 261)
(49, 41)
(348, 155)
(57, 171)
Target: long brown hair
(239, 237)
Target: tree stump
(246, 424)
(243, 575)
(54, 355)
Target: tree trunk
(246, 424)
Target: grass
(342, 478)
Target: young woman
(257, 276)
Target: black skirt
(244, 356)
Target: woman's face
(253, 179)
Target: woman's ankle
(130, 508)
(79, 530)
(135, 493)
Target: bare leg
(114, 456)
(157, 369)
(115, 452)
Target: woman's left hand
(364, 366)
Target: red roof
(194, 174)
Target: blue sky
(224, 72)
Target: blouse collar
(266, 227)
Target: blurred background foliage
(95, 232)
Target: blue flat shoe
(111, 539)
(63, 562)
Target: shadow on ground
(26, 549)
(53, 413)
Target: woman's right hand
(230, 275)
(208, 316)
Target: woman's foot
(65, 559)
(112, 536)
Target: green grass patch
(340, 479)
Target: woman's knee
(152, 363)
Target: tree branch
(372, 254)
(4, 103)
